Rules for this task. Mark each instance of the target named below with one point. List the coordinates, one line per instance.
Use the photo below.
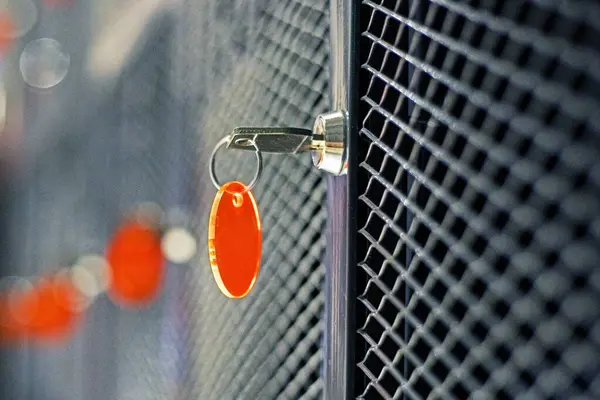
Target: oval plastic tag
(234, 240)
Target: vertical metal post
(340, 265)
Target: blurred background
(109, 104)
(470, 222)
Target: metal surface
(330, 142)
(327, 141)
(339, 279)
(479, 200)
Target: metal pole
(341, 259)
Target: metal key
(327, 141)
(271, 140)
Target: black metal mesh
(261, 64)
(479, 200)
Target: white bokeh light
(179, 246)
(44, 63)
(91, 275)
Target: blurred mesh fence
(258, 63)
(480, 197)
(208, 66)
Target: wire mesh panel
(262, 64)
(479, 200)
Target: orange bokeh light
(7, 32)
(136, 263)
(47, 312)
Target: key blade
(271, 140)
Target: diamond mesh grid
(479, 200)
(262, 63)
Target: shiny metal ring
(213, 175)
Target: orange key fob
(235, 240)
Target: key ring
(223, 142)
(234, 228)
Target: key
(272, 140)
(327, 141)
